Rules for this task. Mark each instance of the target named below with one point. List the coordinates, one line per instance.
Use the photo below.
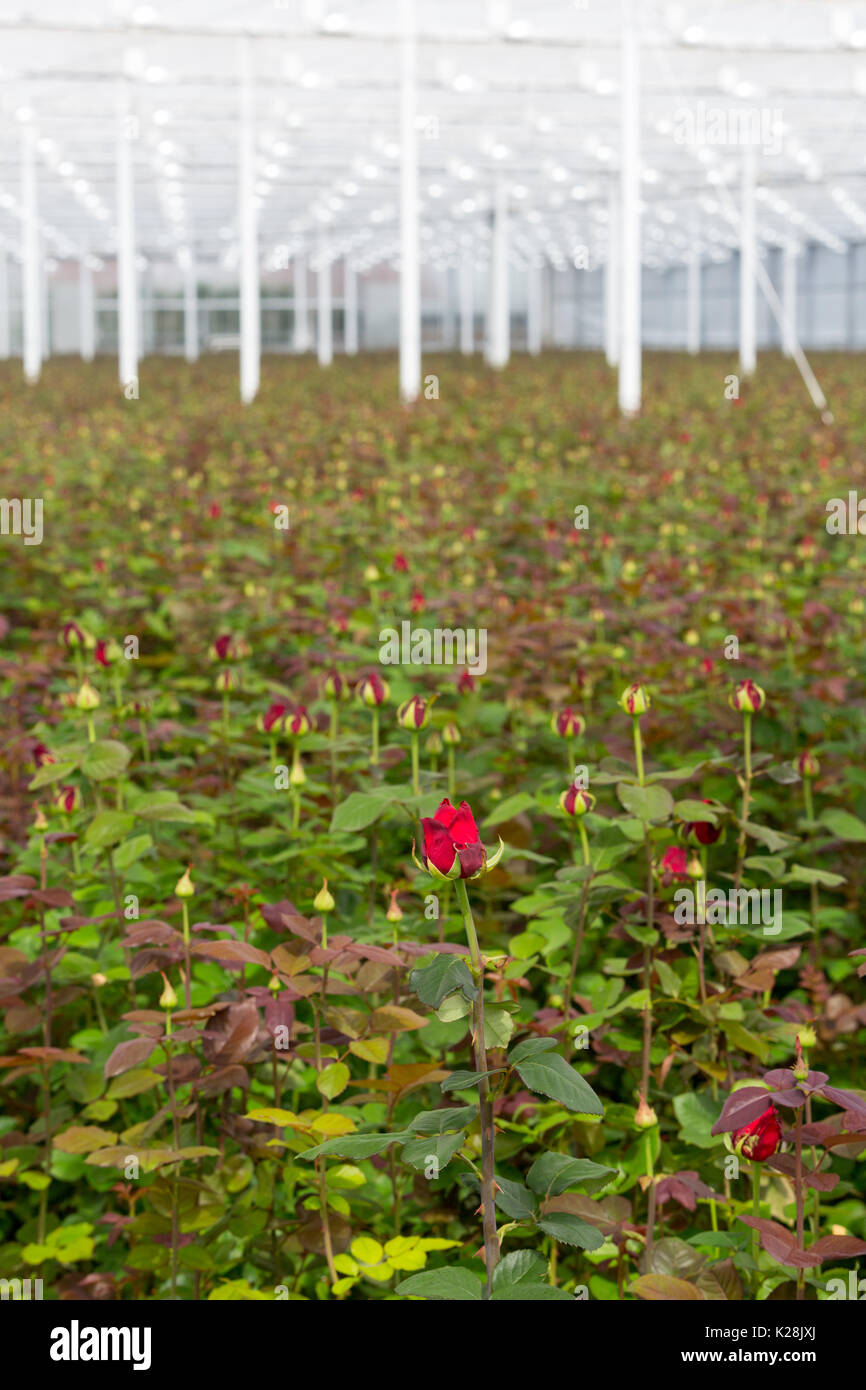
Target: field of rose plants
(534, 974)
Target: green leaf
(554, 1173)
(105, 759)
(333, 1080)
(51, 772)
(670, 980)
(531, 1293)
(510, 807)
(438, 1121)
(570, 1230)
(358, 1146)
(133, 1083)
(498, 1025)
(693, 810)
(443, 976)
(359, 810)
(438, 1149)
(697, 1113)
(801, 873)
(108, 828)
(647, 803)
(550, 1075)
(842, 824)
(127, 853)
(465, 1080)
(521, 1276)
(515, 1200)
(456, 1285)
(530, 1047)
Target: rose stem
(488, 1206)
(747, 791)
(798, 1189)
(756, 1211)
(416, 776)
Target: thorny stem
(488, 1205)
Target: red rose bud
(223, 647)
(452, 845)
(465, 683)
(759, 1140)
(801, 1065)
(635, 699)
(214, 511)
(372, 690)
(645, 1117)
(395, 912)
(225, 682)
(42, 755)
(401, 564)
(700, 832)
(71, 635)
(107, 653)
(747, 697)
(335, 687)
(416, 603)
(414, 713)
(450, 734)
(297, 724)
(807, 765)
(568, 723)
(269, 721)
(577, 801)
(67, 800)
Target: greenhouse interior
(432, 807)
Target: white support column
(499, 320)
(533, 307)
(350, 307)
(611, 280)
(325, 323)
(789, 298)
(30, 275)
(410, 249)
(127, 275)
(251, 325)
(190, 308)
(630, 278)
(5, 314)
(302, 335)
(46, 302)
(467, 303)
(693, 303)
(748, 259)
(86, 309)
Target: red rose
(701, 831)
(452, 845)
(101, 653)
(223, 646)
(416, 603)
(214, 511)
(273, 716)
(465, 683)
(675, 862)
(42, 755)
(759, 1140)
(401, 564)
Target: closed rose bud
(807, 765)
(395, 912)
(567, 723)
(635, 699)
(450, 734)
(42, 755)
(801, 1064)
(372, 690)
(184, 888)
(695, 868)
(224, 682)
(465, 683)
(452, 845)
(335, 687)
(67, 800)
(323, 901)
(577, 801)
(87, 698)
(224, 647)
(168, 998)
(298, 723)
(759, 1140)
(269, 722)
(297, 775)
(40, 824)
(808, 1037)
(371, 575)
(414, 713)
(747, 697)
(98, 980)
(107, 653)
(434, 743)
(645, 1117)
(416, 602)
(401, 564)
(71, 635)
(700, 832)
